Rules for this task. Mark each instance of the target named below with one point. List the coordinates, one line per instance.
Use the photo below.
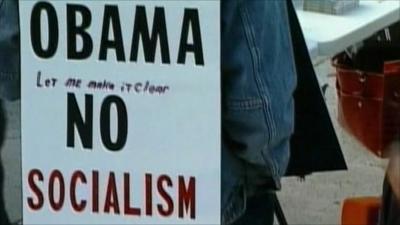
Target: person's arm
(9, 50)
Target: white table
(330, 34)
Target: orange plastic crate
(361, 211)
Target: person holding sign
(258, 81)
(9, 74)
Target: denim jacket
(258, 80)
(9, 50)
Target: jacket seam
(250, 45)
(255, 55)
(244, 104)
(263, 94)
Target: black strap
(280, 215)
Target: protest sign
(120, 112)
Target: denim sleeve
(9, 50)
(258, 81)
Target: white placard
(120, 112)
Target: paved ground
(317, 200)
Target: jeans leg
(390, 209)
(259, 210)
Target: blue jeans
(259, 210)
